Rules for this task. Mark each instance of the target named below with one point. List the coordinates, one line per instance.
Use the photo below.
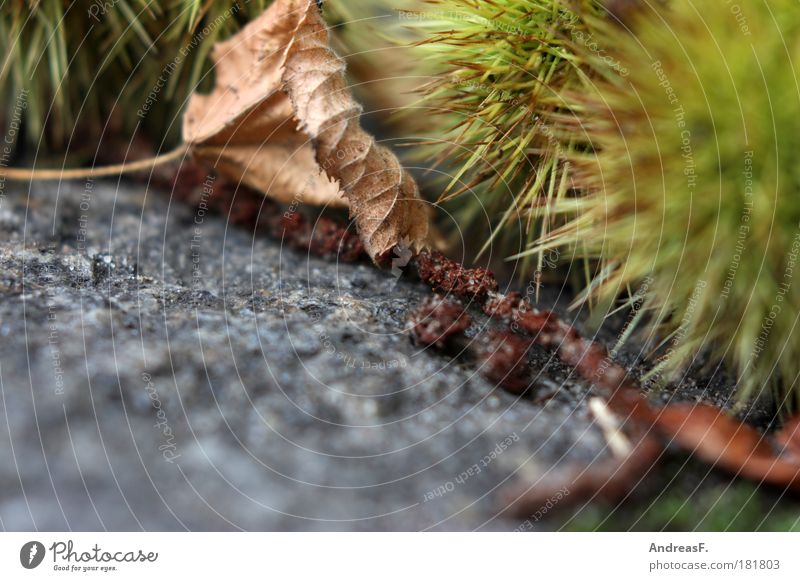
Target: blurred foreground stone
(162, 370)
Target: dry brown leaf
(700, 429)
(281, 119)
(383, 197)
(788, 438)
(611, 480)
(716, 438)
(725, 442)
(245, 127)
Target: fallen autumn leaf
(282, 119)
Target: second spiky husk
(79, 66)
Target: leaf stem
(40, 175)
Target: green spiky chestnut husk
(689, 184)
(571, 127)
(491, 71)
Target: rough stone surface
(162, 370)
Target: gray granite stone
(163, 370)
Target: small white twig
(617, 441)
